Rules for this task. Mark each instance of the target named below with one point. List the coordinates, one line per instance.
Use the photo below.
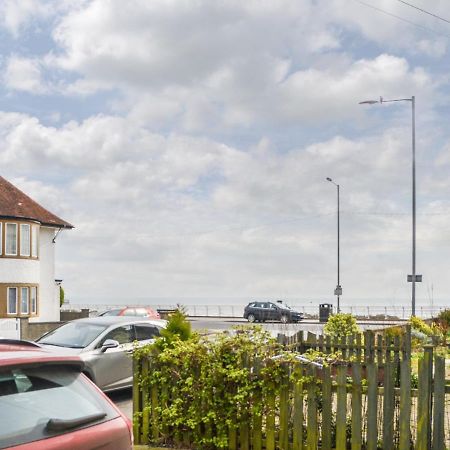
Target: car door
(112, 368)
(273, 312)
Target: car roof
(24, 353)
(112, 320)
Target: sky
(189, 143)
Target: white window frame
(8, 224)
(23, 311)
(35, 241)
(27, 227)
(8, 311)
(33, 299)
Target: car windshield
(73, 335)
(34, 399)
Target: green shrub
(419, 325)
(340, 325)
(178, 329)
(444, 318)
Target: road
(209, 324)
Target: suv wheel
(251, 318)
(284, 318)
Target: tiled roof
(15, 204)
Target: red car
(46, 403)
(135, 311)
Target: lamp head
(329, 179)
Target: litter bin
(325, 309)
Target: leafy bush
(178, 329)
(210, 384)
(444, 318)
(340, 325)
(419, 325)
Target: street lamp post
(414, 277)
(338, 290)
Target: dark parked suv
(262, 311)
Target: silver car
(105, 344)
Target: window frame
(33, 305)
(22, 312)
(8, 312)
(21, 240)
(7, 224)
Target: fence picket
(312, 434)
(327, 416)
(270, 420)
(137, 406)
(439, 403)
(298, 409)
(356, 407)
(423, 401)
(341, 408)
(388, 399)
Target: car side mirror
(109, 343)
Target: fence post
(137, 407)
(439, 403)
(372, 392)
(388, 399)
(327, 417)
(298, 409)
(312, 428)
(341, 408)
(405, 392)
(424, 400)
(356, 405)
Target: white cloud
(23, 74)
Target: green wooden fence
(364, 402)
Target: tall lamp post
(338, 290)
(413, 278)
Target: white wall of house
(14, 270)
(48, 298)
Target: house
(27, 257)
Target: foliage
(210, 381)
(178, 329)
(419, 325)
(443, 320)
(61, 296)
(393, 332)
(340, 325)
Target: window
(33, 300)
(11, 239)
(12, 301)
(25, 239)
(34, 240)
(30, 396)
(24, 300)
(123, 335)
(145, 332)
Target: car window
(141, 312)
(129, 312)
(73, 334)
(31, 397)
(272, 306)
(123, 335)
(111, 312)
(146, 331)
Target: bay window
(11, 239)
(12, 301)
(33, 300)
(25, 243)
(24, 301)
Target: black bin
(325, 309)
